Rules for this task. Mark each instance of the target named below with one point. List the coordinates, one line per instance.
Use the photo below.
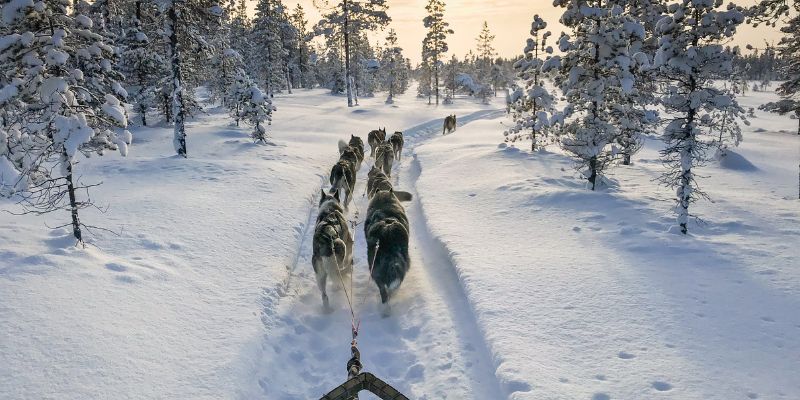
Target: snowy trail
(429, 347)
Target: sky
(509, 21)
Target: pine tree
(434, 46)
(531, 104)
(142, 61)
(267, 37)
(303, 51)
(486, 53)
(58, 67)
(186, 25)
(345, 24)
(251, 105)
(690, 56)
(789, 48)
(595, 75)
(395, 74)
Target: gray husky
(384, 157)
(343, 179)
(350, 153)
(397, 144)
(387, 232)
(449, 124)
(377, 180)
(358, 145)
(333, 244)
(375, 138)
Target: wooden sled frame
(364, 381)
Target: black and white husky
(356, 145)
(397, 144)
(387, 231)
(384, 157)
(343, 180)
(449, 124)
(375, 138)
(333, 244)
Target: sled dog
(343, 179)
(358, 145)
(387, 231)
(384, 157)
(377, 180)
(449, 124)
(397, 144)
(375, 138)
(332, 245)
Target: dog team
(386, 225)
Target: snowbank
(586, 295)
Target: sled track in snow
(429, 347)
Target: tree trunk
(593, 171)
(436, 77)
(179, 140)
(73, 202)
(347, 78)
(143, 113)
(288, 80)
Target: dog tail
(339, 251)
(342, 145)
(402, 196)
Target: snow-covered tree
(689, 57)
(251, 105)
(434, 46)
(142, 60)
(531, 104)
(59, 68)
(346, 22)
(595, 75)
(486, 53)
(305, 70)
(269, 28)
(185, 26)
(789, 48)
(394, 71)
(424, 81)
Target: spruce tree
(531, 104)
(689, 58)
(434, 46)
(58, 68)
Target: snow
(114, 109)
(15, 9)
(614, 305)
(523, 284)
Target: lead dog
(384, 157)
(387, 231)
(332, 245)
(397, 144)
(449, 124)
(375, 138)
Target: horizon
(508, 20)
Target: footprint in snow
(601, 396)
(116, 267)
(625, 356)
(661, 386)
